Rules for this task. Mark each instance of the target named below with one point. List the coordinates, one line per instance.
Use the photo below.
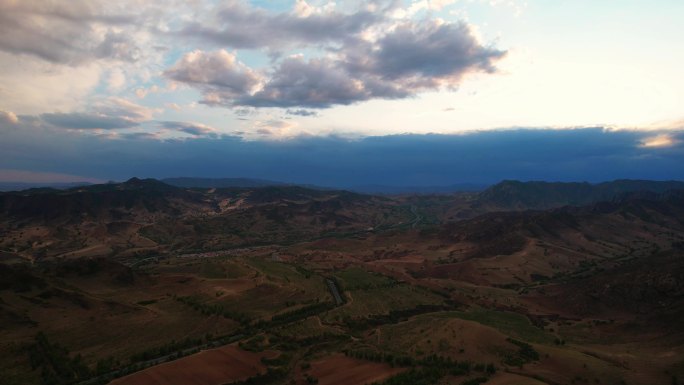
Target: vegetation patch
(425, 371)
(509, 323)
(214, 309)
(356, 278)
(525, 354)
(54, 362)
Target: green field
(512, 324)
(364, 303)
(356, 278)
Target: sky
(344, 93)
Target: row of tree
(214, 309)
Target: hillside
(515, 195)
(139, 217)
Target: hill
(142, 216)
(516, 195)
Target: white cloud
(659, 141)
(60, 53)
(29, 86)
(143, 92)
(116, 80)
(110, 113)
(433, 5)
(219, 74)
(272, 129)
(397, 63)
(172, 106)
(68, 32)
(8, 117)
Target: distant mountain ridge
(190, 182)
(517, 195)
(156, 216)
(19, 186)
(419, 190)
(110, 200)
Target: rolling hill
(522, 283)
(517, 195)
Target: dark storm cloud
(63, 32)
(239, 25)
(416, 160)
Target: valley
(146, 283)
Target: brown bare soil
(512, 379)
(341, 370)
(211, 367)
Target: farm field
(212, 367)
(340, 370)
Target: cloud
(243, 112)
(194, 129)
(61, 53)
(139, 135)
(591, 154)
(118, 46)
(427, 54)
(76, 120)
(238, 25)
(353, 53)
(218, 74)
(8, 175)
(64, 32)
(141, 93)
(409, 58)
(114, 106)
(315, 83)
(172, 106)
(116, 80)
(657, 141)
(8, 117)
(269, 129)
(111, 113)
(301, 112)
(434, 5)
(274, 128)
(28, 85)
